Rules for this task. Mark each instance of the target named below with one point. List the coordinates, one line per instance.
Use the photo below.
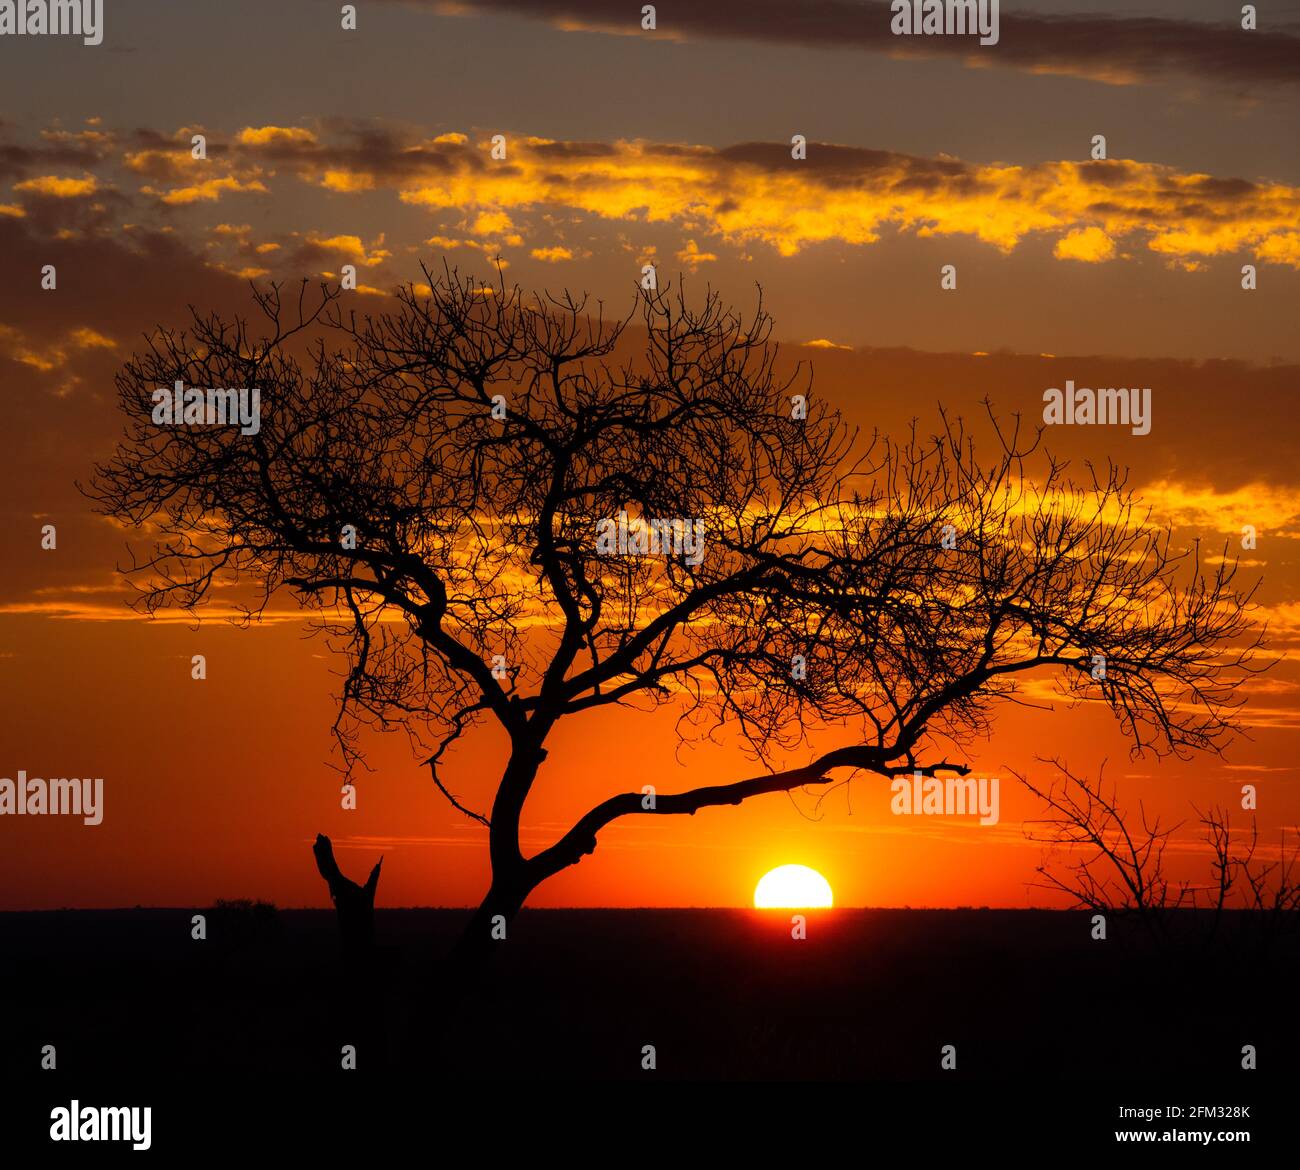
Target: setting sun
(793, 887)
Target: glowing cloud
(56, 188)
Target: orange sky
(1123, 272)
(216, 788)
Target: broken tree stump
(355, 904)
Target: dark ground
(577, 993)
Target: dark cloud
(1225, 188)
(836, 166)
(19, 160)
(1110, 48)
(83, 215)
(387, 155)
(575, 149)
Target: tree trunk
(355, 904)
(513, 878)
(488, 925)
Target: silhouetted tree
(1113, 865)
(1105, 859)
(475, 440)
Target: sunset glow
(930, 260)
(794, 887)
